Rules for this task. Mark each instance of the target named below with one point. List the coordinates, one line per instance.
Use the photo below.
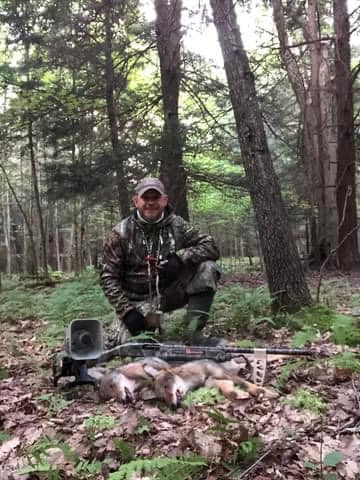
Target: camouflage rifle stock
(256, 358)
(83, 345)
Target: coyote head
(119, 386)
(170, 387)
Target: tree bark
(7, 235)
(285, 276)
(57, 238)
(348, 254)
(315, 99)
(123, 195)
(168, 34)
(26, 220)
(35, 184)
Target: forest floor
(45, 436)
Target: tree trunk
(75, 240)
(35, 184)
(282, 263)
(123, 195)
(26, 220)
(348, 254)
(57, 238)
(315, 120)
(315, 101)
(7, 234)
(82, 245)
(168, 34)
(329, 135)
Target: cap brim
(145, 189)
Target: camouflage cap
(149, 183)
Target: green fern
(303, 336)
(125, 450)
(4, 436)
(164, 468)
(174, 326)
(347, 360)
(42, 469)
(319, 318)
(287, 370)
(37, 456)
(203, 396)
(344, 331)
(239, 307)
(304, 399)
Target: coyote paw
(269, 393)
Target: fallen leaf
(130, 421)
(7, 447)
(207, 445)
(350, 469)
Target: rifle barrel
(192, 352)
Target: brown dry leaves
(290, 436)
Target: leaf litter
(291, 438)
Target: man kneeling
(156, 261)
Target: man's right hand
(135, 322)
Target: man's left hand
(169, 269)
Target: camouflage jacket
(124, 276)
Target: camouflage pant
(191, 281)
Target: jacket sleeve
(197, 247)
(111, 272)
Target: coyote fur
(125, 382)
(172, 384)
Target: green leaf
(333, 458)
(305, 335)
(313, 466)
(4, 437)
(37, 468)
(330, 476)
(125, 450)
(218, 417)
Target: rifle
(84, 345)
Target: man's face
(151, 205)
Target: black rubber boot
(197, 315)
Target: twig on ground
(252, 466)
(356, 393)
(351, 430)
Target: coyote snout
(171, 388)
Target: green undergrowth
(18, 303)
(304, 399)
(241, 309)
(39, 463)
(238, 312)
(344, 329)
(347, 361)
(57, 306)
(238, 309)
(203, 396)
(287, 370)
(161, 468)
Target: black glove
(169, 269)
(135, 322)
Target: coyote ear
(151, 371)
